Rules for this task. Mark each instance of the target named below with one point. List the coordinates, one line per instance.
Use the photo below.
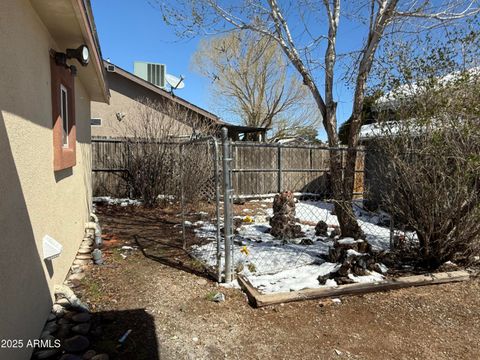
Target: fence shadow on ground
(156, 232)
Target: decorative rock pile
(69, 330)
(92, 239)
(355, 257)
(283, 223)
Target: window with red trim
(63, 117)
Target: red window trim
(64, 157)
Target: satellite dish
(174, 82)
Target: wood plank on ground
(257, 299)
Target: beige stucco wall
(34, 200)
(124, 99)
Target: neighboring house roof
(409, 90)
(71, 24)
(208, 115)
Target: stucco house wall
(34, 199)
(125, 98)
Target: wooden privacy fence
(260, 168)
(257, 168)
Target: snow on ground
(277, 266)
(114, 201)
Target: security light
(82, 54)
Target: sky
(134, 30)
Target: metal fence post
(279, 168)
(217, 202)
(227, 211)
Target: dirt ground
(165, 301)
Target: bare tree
(272, 18)
(150, 151)
(250, 81)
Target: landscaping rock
(77, 277)
(100, 357)
(58, 310)
(82, 262)
(321, 228)
(51, 327)
(51, 317)
(81, 317)
(83, 256)
(63, 302)
(70, 357)
(81, 329)
(85, 250)
(218, 297)
(306, 241)
(89, 354)
(76, 343)
(63, 331)
(46, 354)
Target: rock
(82, 328)
(63, 331)
(448, 266)
(76, 343)
(321, 228)
(70, 357)
(87, 242)
(63, 302)
(62, 291)
(58, 310)
(89, 354)
(83, 257)
(64, 321)
(46, 354)
(322, 279)
(82, 262)
(45, 334)
(85, 250)
(51, 317)
(335, 232)
(100, 357)
(283, 222)
(73, 283)
(78, 276)
(218, 297)
(306, 241)
(81, 317)
(51, 327)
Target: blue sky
(134, 30)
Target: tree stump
(283, 221)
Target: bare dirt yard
(165, 300)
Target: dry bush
(150, 152)
(427, 170)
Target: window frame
(64, 154)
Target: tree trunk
(342, 182)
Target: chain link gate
(206, 205)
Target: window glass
(64, 114)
